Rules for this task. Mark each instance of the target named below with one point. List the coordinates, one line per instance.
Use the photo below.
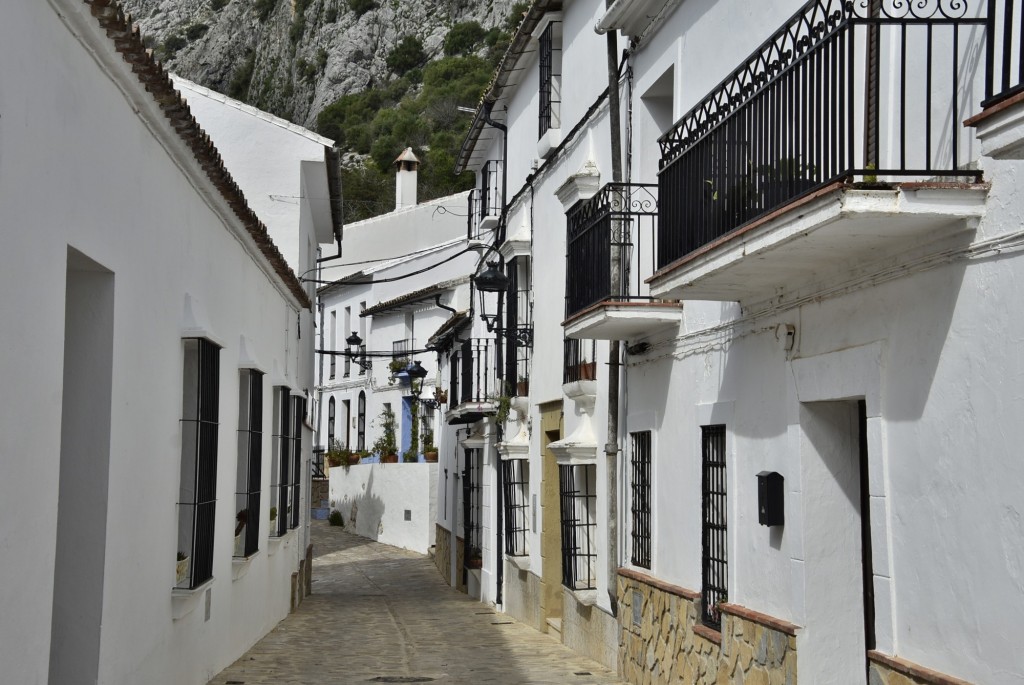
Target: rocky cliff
(294, 57)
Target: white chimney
(405, 179)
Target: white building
(805, 331)
(152, 323)
(406, 273)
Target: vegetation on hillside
(417, 108)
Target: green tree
(407, 55)
(463, 38)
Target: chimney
(405, 179)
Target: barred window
(579, 526)
(472, 491)
(250, 462)
(197, 494)
(640, 499)
(361, 422)
(550, 65)
(281, 468)
(295, 454)
(714, 557)
(516, 485)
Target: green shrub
(196, 31)
(331, 16)
(264, 8)
(406, 55)
(361, 7)
(218, 5)
(172, 44)
(238, 88)
(335, 519)
(463, 38)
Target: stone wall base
(662, 640)
(522, 597)
(888, 670)
(588, 630)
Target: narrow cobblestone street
(382, 614)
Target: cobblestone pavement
(382, 614)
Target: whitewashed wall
(81, 169)
(389, 503)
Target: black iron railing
(616, 226)
(471, 370)
(485, 201)
(1004, 56)
(518, 324)
(869, 88)
(249, 467)
(578, 360)
(472, 520)
(579, 526)
(549, 64)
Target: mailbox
(770, 507)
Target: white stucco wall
(392, 503)
(88, 162)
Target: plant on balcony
(475, 558)
(504, 403)
(429, 450)
(397, 366)
(336, 455)
(385, 445)
(523, 386)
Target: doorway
(837, 543)
(81, 533)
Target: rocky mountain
(295, 57)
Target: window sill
(275, 543)
(551, 139)
(709, 634)
(521, 562)
(184, 600)
(240, 565)
(587, 598)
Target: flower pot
(474, 562)
(389, 459)
(523, 388)
(430, 457)
(587, 371)
(181, 571)
(353, 459)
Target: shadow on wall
(363, 514)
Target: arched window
(330, 423)
(361, 423)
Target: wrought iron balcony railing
(472, 375)
(1005, 33)
(869, 88)
(485, 201)
(619, 222)
(578, 360)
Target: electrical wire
(393, 278)
(370, 261)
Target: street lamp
(490, 280)
(355, 341)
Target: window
(197, 496)
(578, 360)
(518, 319)
(550, 62)
(281, 485)
(330, 423)
(714, 557)
(472, 533)
(295, 453)
(516, 485)
(361, 422)
(334, 342)
(250, 462)
(640, 499)
(579, 526)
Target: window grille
(549, 61)
(250, 462)
(281, 468)
(640, 499)
(579, 526)
(330, 424)
(362, 360)
(347, 368)
(519, 324)
(472, 491)
(714, 555)
(400, 349)
(334, 365)
(295, 453)
(516, 485)
(361, 422)
(197, 497)
(578, 361)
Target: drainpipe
(611, 448)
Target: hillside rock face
(294, 57)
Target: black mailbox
(770, 507)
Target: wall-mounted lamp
(490, 280)
(359, 359)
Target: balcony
(485, 203)
(835, 144)
(472, 383)
(1000, 124)
(604, 301)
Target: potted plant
(181, 569)
(587, 371)
(440, 396)
(475, 559)
(504, 403)
(352, 457)
(273, 520)
(523, 386)
(385, 445)
(241, 518)
(336, 455)
(429, 450)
